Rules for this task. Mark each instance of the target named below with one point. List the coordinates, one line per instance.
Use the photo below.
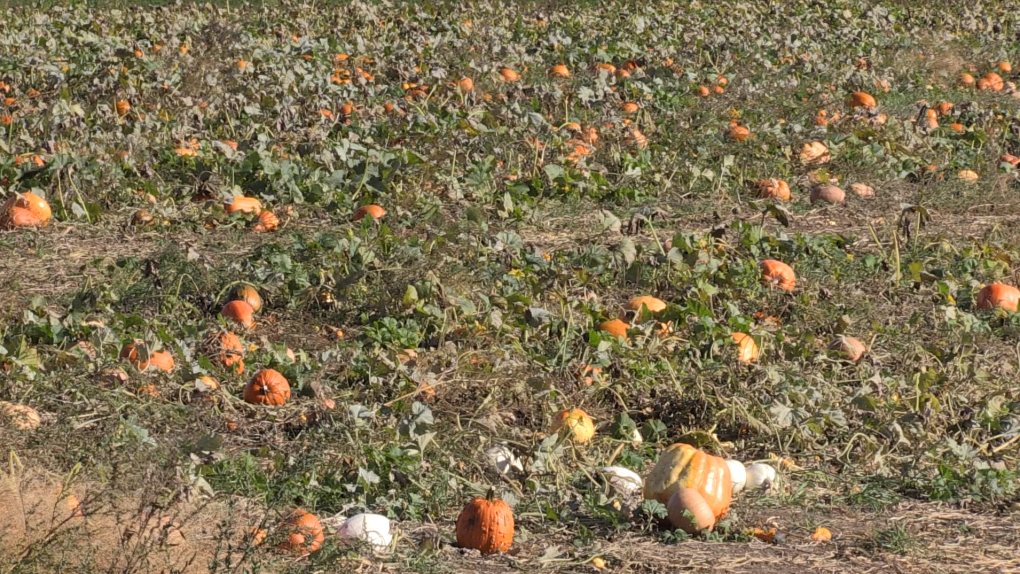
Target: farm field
(268, 267)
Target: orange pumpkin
(630, 107)
(683, 466)
(559, 71)
(267, 221)
(1004, 67)
(249, 294)
(998, 295)
(227, 350)
(239, 312)
(466, 84)
(577, 423)
(616, 328)
(778, 273)
(774, 189)
(992, 81)
(848, 347)
(966, 79)
(243, 204)
(267, 387)
(739, 132)
(486, 524)
(704, 92)
(304, 533)
(509, 75)
(653, 304)
(371, 210)
(862, 100)
(944, 108)
(747, 349)
(31, 202)
(138, 355)
(17, 217)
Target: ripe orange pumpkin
(267, 221)
(653, 304)
(17, 217)
(814, 152)
(739, 132)
(992, 81)
(611, 69)
(123, 108)
(239, 312)
(559, 71)
(244, 205)
(862, 100)
(304, 533)
(486, 524)
(1004, 67)
(774, 189)
(704, 92)
(227, 350)
(944, 108)
(371, 210)
(998, 295)
(966, 79)
(249, 294)
(848, 347)
(509, 75)
(747, 349)
(138, 355)
(630, 107)
(267, 387)
(683, 466)
(30, 202)
(778, 273)
(577, 423)
(466, 84)
(616, 328)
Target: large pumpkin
(778, 273)
(486, 524)
(267, 387)
(683, 466)
(998, 295)
(30, 202)
(239, 312)
(304, 533)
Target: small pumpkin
(267, 387)
(267, 221)
(239, 312)
(249, 294)
(683, 466)
(774, 189)
(966, 80)
(944, 108)
(559, 71)
(828, 194)
(609, 68)
(630, 107)
(138, 355)
(814, 152)
(576, 423)
(778, 274)
(862, 190)
(486, 524)
(17, 217)
(304, 533)
(704, 92)
(739, 132)
(849, 348)
(509, 75)
(992, 81)
(688, 511)
(821, 534)
(466, 84)
(862, 100)
(123, 107)
(616, 328)
(227, 350)
(652, 304)
(1004, 67)
(967, 175)
(759, 475)
(21, 417)
(371, 210)
(747, 349)
(998, 295)
(243, 204)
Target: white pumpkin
(503, 459)
(622, 480)
(371, 528)
(759, 474)
(738, 475)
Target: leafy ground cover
(525, 204)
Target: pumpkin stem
(491, 494)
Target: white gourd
(371, 528)
(623, 480)
(738, 475)
(759, 474)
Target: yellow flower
(517, 273)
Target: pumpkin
(1004, 67)
(778, 273)
(738, 475)
(609, 68)
(966, 79)
(21, 417)
(616, 328)
(862, 100)
(509, 75)
(652, 304)
(747, 349)
(774, 189)
(38, 206)
(944, 108)
(704, 92)
(123, 108)
(683, 466)
(239, 312)
(992, 81)
(267, 221)
(486, 524)
(267, 387)
(559, 71)
(759, 475)
(967, 175)
(862, 190)
(243, 204)
(371, 210)
(371, 528)
(828, 194)
(466, 84)
(1011, 160)
(250, 295)
(304, 533)
(739, 132)
(998, 295)
(623, 480)
(138, 355)
(848, 347)
(814, 152)
(577, 424)
(17, 217)
(630, 107)
(821, 534)
(228, 350)
(689, 511)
